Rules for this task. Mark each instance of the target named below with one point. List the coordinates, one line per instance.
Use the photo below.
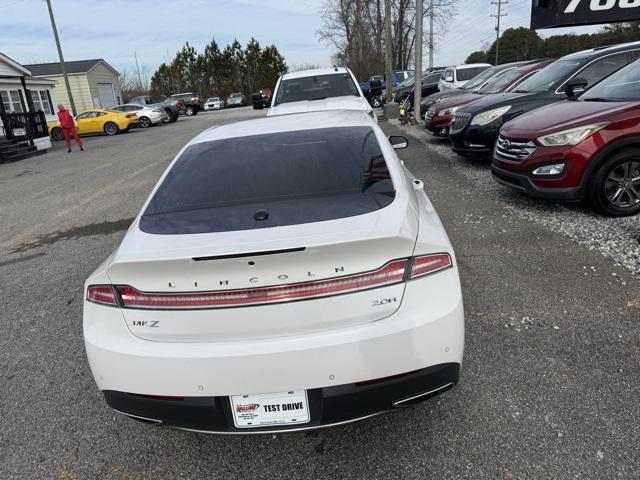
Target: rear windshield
(292, 177)
(318, 87)
(468, 73)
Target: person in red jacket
(68, 124)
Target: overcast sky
(155, 30)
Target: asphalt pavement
(551, 379)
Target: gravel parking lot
(549, 388)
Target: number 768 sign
(563, 13)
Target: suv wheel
(189, 111)
(405, 102)
(615, 185)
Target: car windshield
(317, 87)
(622, 86)
(548, 77)
(296, 177)
(464, 74)
(503, 80)
(213, 99)
(481, 76)
(234, 95)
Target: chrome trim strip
(400, 403)
(159, 422)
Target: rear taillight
(426, 264)
(392, 273)
(102, 294)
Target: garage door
(106, 95)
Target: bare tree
(354, 28)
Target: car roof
(600, 51)
(314, 72)
(285, 123)
(472, 65)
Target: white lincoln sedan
(286, 273)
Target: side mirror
(575, 86)
(397, 142)
(418, 184)
(448, 78)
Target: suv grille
(515, 151)
(460, 121)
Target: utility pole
(140, 86)
(388, 51)
(499, 3)
(64, 70)
(431, 12)
(417, 76)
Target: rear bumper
(426, 331)
(329, 406)
(524, 183)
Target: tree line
(216, 72)
(517, 44)
(355, 29)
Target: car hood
(431, 99)
(489, 102)
(564, 115)
(335, 103)
(456, 101)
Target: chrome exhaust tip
(421, 397)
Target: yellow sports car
(97, 121)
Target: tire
(406, 102)
(189, 111)
(174, 118)
(614, 186)
(376, 102)
(111, 128)
(144, 122)
(57, 133)
(258, 106)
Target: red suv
(588, 147)
(439, 116)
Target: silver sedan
(147, 114)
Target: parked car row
(144, 112)
(569, 130)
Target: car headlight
(486, 118)
(572, 137)
(447, 112)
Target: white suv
(456, 77)
(318, 90)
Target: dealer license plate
(270, 409)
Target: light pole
(417, 76)
(64, 70)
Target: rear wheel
(189, 111)
(144, 122)
(614, 188)
(57, 133)
(111, 128)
